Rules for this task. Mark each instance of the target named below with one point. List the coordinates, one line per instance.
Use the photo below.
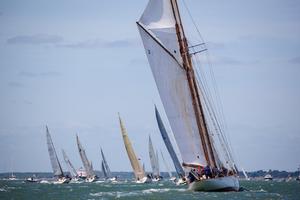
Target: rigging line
(214, 81)
(213, 117)
(200, 35)
(208, 110)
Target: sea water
(19, 189)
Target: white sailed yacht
(138, 171)
(71, 168)
(106, 170)
(154, 162)
(88, 166)
(201, 141)
(58, 173)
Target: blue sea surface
(19, 189)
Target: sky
(73, 65)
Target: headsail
(86, 163)
(57, 170)
(153, 159)
(166, 164)
(158, 31)
(104, 170)
(70, 166)
(137, 169)
(168, 144)
(105, 164)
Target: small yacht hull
(90, 179)
(144, 180)
(181, 181)
(228, 183)
(62, 181)
(31, 180)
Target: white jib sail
(70, 166)
(157, 29)
(166, 164)
(153, 159)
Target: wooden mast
(187, 64)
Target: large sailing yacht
(192, 119)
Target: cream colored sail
(158, 32)
(137, 168)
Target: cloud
(15, 84)
(41, 74)
(99, 43)
(35, 39)
(295, 60)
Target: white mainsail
(70, 166)
(57, 170)
(153, 159)
(86, 163)
(158, 32)
(137, 169)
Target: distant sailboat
(167, 167)
(245, 174)
(70, 167)
(190, 114)
(88, 166)
(105, 168)
(135, 164)
(167, 141)
(268, 177)
(153, 161)
(12, 177)
(56, 166)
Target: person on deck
(207, 172)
